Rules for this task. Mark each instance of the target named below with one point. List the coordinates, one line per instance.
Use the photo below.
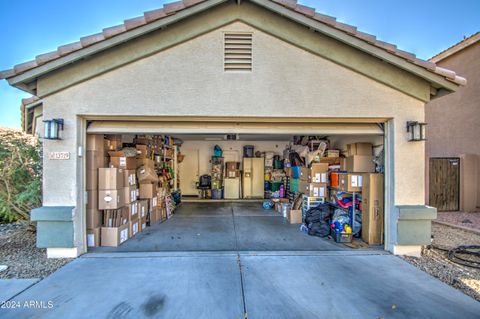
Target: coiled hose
(458, 255)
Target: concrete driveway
(229, 285)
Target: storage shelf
(339, 190)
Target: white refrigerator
(253, 177)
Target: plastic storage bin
(217, 193)
(248, 151)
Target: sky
(31, 27)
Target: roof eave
(436, 80)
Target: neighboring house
(31, 112)
(170, 71)
(453, 132)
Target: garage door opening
(224, 191)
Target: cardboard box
(147, 162)
(330, 160)
(162, 213)
(114, 142)
(143, 224)
(232, 174)
(119, 159)
(93, 237)
(110, 178)
(231, 166)
(332, 153)
(146, 175)
(294, 216)
(115, 217)
(359, 149)
(288, 171)
(95, 142)
(142, 206)
(360, 164)
(130, 194)
(154, 215)
(350, 182)
(132, 211)
(343, 163)
(152, 203)
(95, 159)
(111, 199)
(373, 208)
(301, 172)
(129, 177)
(313, 189)
(94, 218)
(147, 191)
(92, 179)
(143, 151)
(114, 236)
(133, 227)
(318, 173)
(92, 199)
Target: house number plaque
(59, 155)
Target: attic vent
(238, 52)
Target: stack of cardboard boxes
(96, 157)
(359, 161)
(313, 181)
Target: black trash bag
(317, 220)
(295, 159)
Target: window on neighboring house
(237, 52)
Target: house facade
(452, 153)
(167, 72)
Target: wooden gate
(444, 186)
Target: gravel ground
(23, 258)
(436, 263)
(470, 220)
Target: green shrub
(20, 175)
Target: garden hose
(457, 255)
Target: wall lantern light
(52, 129)
(416, 130)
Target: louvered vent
(238, 52)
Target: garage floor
(240, 226)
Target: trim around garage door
(232, 125)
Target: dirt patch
(469, 220)
(435, 261)
(19, 252)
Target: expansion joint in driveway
(239, 264)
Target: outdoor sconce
(416, 130)
(52, 129)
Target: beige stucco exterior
(187, 79)
(453, 125)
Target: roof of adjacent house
(459, 46)
(177, 7)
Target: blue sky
(32, 27)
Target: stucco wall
(189, 80)
(453, 122)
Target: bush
(20, 175)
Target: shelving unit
(309, 202)
(350, 212)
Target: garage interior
(259, 190)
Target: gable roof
(23, 73)
(459, 46)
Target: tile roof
(465, 43)
(174, 7)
